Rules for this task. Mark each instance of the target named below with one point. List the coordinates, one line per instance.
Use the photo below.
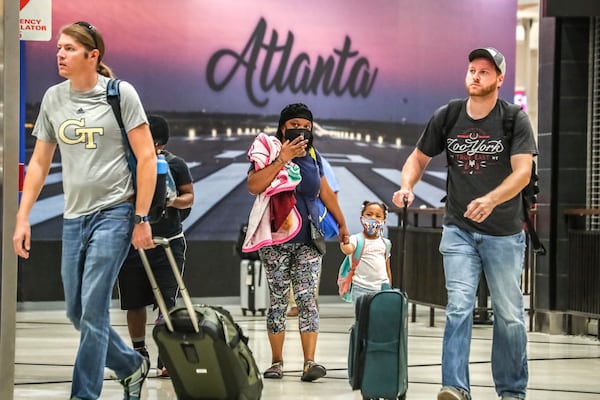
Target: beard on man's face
(481, 90)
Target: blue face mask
(371, 225)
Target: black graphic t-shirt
(478, 154)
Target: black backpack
(159, 200)
(529, 193)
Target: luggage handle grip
(162, 306)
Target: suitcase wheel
(244, 312)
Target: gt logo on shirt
(79, 132)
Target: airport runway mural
(221, 70)
(366, 168)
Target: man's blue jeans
(93, 249)
(465, 255)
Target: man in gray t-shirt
(100, 205)
(483, 228)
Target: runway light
(192, 133)
(213, 132)
(379, 139)
(398, 142)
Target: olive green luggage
(204, 350)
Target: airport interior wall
(212, 270)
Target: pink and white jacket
(276, 203)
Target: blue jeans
(466, 254)
(358, 291)
(93, 249)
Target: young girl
(373, 269)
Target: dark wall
(563, 105)
(212, 270)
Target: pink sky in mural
(418, 49)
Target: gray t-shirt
(94, 165)
(478, 154)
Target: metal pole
(9, 161)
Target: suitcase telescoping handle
(401, 263)
(162, 306)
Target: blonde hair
(91, 39)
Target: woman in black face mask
(297, 260)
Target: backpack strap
(451, 112)
(360, 241)
(113, 97)
(388, 247)
(508, 112)
(449, 116)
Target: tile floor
(561, 367)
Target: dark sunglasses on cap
(91, 30)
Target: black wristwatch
(138, 219)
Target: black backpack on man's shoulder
(529, 193)
(159, 200)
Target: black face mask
(292, 134)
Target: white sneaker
(452, 393)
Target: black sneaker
(143, 352)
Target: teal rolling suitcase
(377, 356)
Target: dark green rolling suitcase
(204, 350)
(377, 356)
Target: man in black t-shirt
(134, 288)
(483, 226)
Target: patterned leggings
(299, 264)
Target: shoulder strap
(509, 113)
(360, 242)
(113, 97)
(536, 244)
(388, 247)
(451, 115)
